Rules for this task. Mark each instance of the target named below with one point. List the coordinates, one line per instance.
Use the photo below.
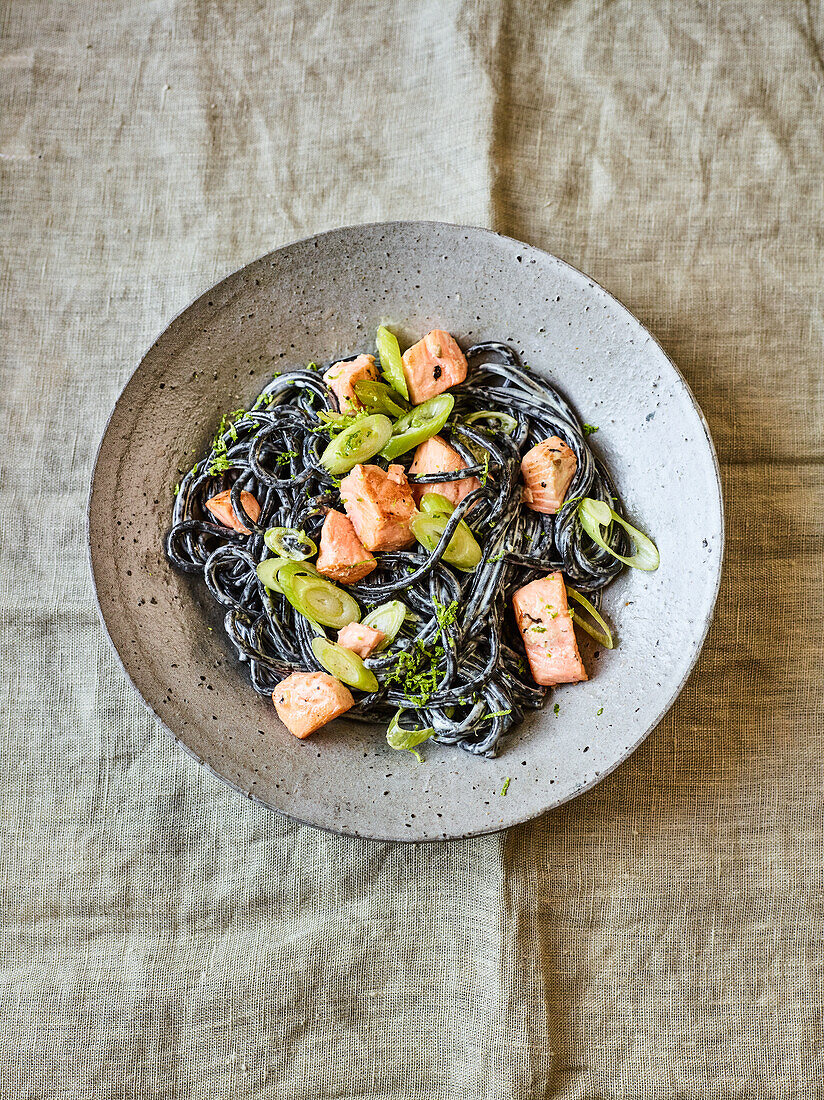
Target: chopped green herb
(220, 464)
(505, 787)
(446, 614)
(177, 488)
(590, 429)
(497, 714)
(557, 708)
(221, 461)
(485, 473)
(600, 710)
(416, 672)
(282, 459)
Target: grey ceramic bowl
(324, 297)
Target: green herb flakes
(485, 473)
(446, 614)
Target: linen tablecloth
(660, 936)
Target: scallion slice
(380, 398)
(388, 618)
(399, 738)
(600, 633)
(595, 514)
(290, 543)
(391, 361)
(316, 598)
(419, 424)
(357, 444)
(344, 665)
(435, 504)
(507, 423)
(463, 550)
(267, 572)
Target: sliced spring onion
(356, 444)
(344, 665)
(418, 425)
(388, 618)
(316, 598)
(391, 361)
(381, 398)
(290, 543)
(600, 633)
(336, 422)
(595, 514)
(399, 738)
(267, 572)
(463, 550)
(506, 422)
(435, 504)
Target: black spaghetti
(457, 660)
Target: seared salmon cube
(435, 456)
(545, 623)
(341, 555)
(380, 505)
(363, 640)
(341, 379)
(548, 470)
(305, 701)
(221, 508)
(433, 365)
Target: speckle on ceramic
(323, 298)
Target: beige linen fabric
(659, 937)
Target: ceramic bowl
(323, 298)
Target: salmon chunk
(380, 505)
(221, 508)
(305, 701)
(548, 470)
(546, 627)
(341, 379)
(433, 365)
(361, 639)
(435, 456)
(342, 556)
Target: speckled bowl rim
(700, 638)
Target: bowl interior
(323, 298)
